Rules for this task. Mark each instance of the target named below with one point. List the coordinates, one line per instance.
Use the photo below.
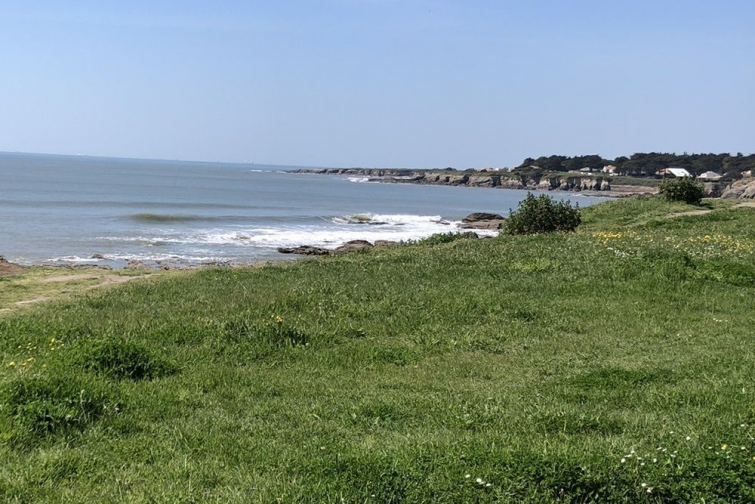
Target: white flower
(623, 460)
(655, 460)
(467, 476)
(644, 485)
(488, 484)
(688, 438)
(479, 480)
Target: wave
(105, 258)
(329, 233)
(152, 217)
(360, 180)
(390, 219)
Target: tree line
(647, 164)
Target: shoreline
(599, 186)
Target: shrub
(449, 237)
(542, 214)
(120, 359)
(682, 189)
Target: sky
(391, 83)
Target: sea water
(81, 209)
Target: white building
(709, 176)
(676, 172)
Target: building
(710, 176)
(674, 172)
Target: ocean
(107, 211)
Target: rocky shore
(477, 179)
(587, 185)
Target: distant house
(710, 176)
(586, 169)
(674, 172)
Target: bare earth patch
(690, 212)
(36, 285)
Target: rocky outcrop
(137, 265)
(471, 179)
(9, 269)
(385, 243)
(304, 250)
(482, 220)
(741, 189)
(712, 190)
(353, 246)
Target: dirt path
(690, 212)
(46, 288)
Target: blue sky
(419, 83)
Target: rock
(741, 189)
(353, 246)
(481, 216)
(304, 250)
(98, 256)
(133, 264)
(9, 269)
(385, 243)
(482, 220)
(711, 190)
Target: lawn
(614, 364)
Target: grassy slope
(533, 363)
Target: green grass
(535, 363)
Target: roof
(678, 172)
(709, 175)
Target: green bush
(682, 189)
(449, 237)
(542, 214)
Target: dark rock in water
(482, 220)
(98, 256)
(385, 243)
(481, 216)
(353, 246)
(304, 250)
(137, 265)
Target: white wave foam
(135, 256)
(329, 234)
(359, 180)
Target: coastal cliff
(476, 179)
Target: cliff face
(559, 183)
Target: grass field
(614, 364)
